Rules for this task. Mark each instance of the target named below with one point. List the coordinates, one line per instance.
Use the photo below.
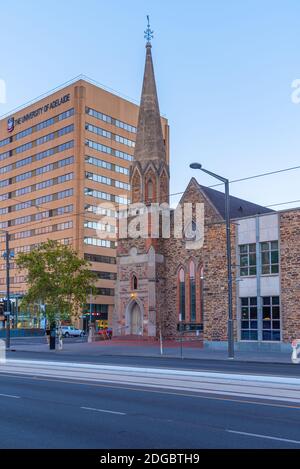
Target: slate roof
(239, 208)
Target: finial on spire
(148, 33)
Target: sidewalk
(114, 348)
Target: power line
(292, 168)
(46, 206)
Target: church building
(165, 285)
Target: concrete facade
(61, 158)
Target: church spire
(149, 139)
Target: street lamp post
(8, 308)
(228, 255)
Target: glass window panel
(276, 324)
(274, 245)
(266, 324)
(265, 269)
(274, 269)
(253, 335)
(253, 324)
(276, 335)
(266, 300)
(267, 335)
(265, 257)
(243, 249)
(244, 271)
(244, 301)
(253, 313)
(253, 301)
(252, 271)
(245, 324)
(245, 335)
(266, 312)
(275, 300)
(274, 257)
(264, 246)
(244, 261)
(252, 259)
(252, 248)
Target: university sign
(13, 122)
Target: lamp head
(196, 166)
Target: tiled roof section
(239, 208)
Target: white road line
(10, 395)
(255, 435)
(102, 410)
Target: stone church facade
(165, 285)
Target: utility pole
(8, 309)
(230, 331)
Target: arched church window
(181, 292)
(150, 190)
(134, 282)
(192, 291)
(136, 184)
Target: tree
(58, 278)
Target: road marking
(267, 437)
(102, 410)
(10, 395)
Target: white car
(70, 331)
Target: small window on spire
(150, 190)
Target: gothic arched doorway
(134, 315)
(135, 319)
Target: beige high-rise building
(64, 169)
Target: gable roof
(239, 208)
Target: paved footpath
(140, 349)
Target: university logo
(10, 124)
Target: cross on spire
(148, 34)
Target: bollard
(91, 336)
(2, 352)
(296, 351)
(60, 339)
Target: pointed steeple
(149, 139)
(149, 172)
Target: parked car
(105, 332)
(70, 331)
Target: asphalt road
(233, 366)
(48, 412)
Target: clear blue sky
(224, 71)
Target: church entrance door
(136, 320)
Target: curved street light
(230, 335)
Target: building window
(134, 282)
(99, 258)
(271, 318)
(181, 286)
(248, 259)
(192, 292)
(150, 191)
(269, 257)
(249, 319)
